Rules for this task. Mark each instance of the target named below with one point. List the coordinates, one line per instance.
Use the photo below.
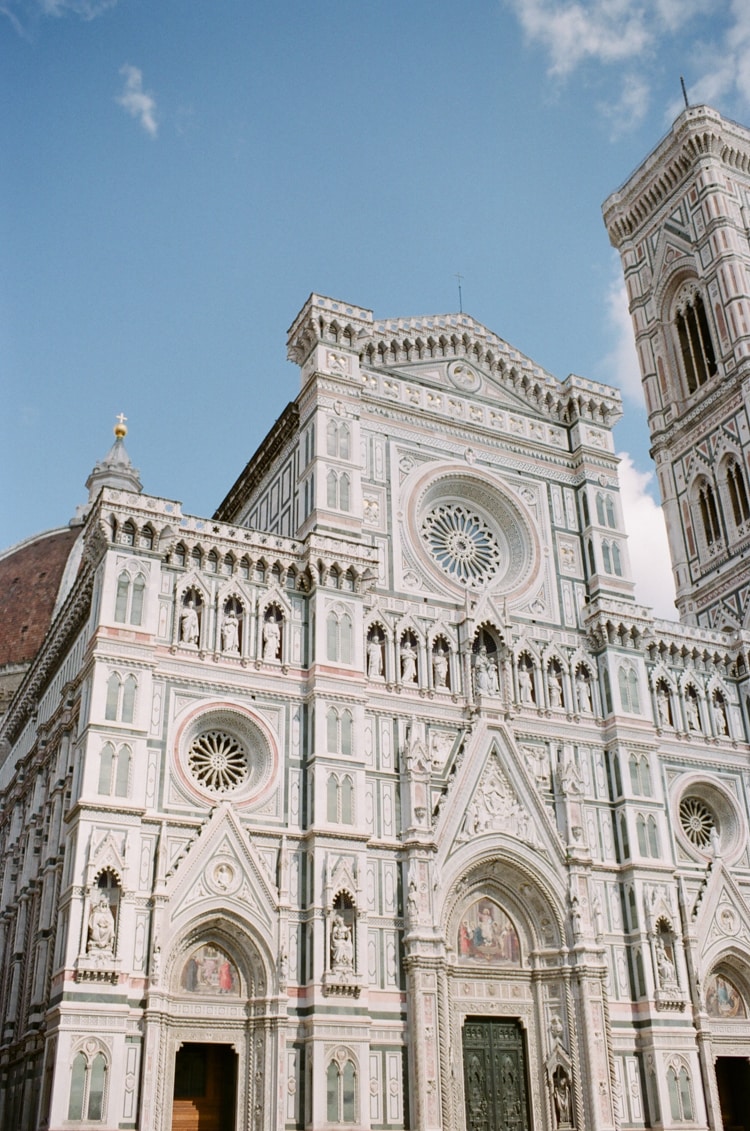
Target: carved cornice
(68, 623)
(697, 134)
(259, 465)
(385, 346)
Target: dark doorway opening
(495, 1076)
(733, 1079)
(205, 1088)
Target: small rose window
(697, 821)
(226, 752)
(218, 761)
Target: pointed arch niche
(726, 987)
(499, 922)
(212, 1001)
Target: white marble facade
(382, 762)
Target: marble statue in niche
(271, 635)
(375, 655)
(720, 715)
(408, 661)
(189, 623)
(525, 683)
(663, 706)
(562, 1098)
(101, 927)
(554, 686)
(583, 692)
(691, 710)
(665, 967)
(230, 630)
(440, 667)
(342, 946)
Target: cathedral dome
(34, 575)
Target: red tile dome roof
(30, 577)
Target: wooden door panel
(205, 1088)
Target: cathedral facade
(377, 800)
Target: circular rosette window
(470, 533)
(709, 820)
(225, 752)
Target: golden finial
(120, 429)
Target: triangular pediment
(496, 796)
(721, 916)
(453, 380)
(223, 868)
(673, 245)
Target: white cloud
(86, 9)
(25, 14)
(138, 102)
(725, 65)
(606, 30)
(629, 110)
(620, 366)
(648, 547)
(633, 35)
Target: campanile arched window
(709, 512)
(737, 493)
(694, 339)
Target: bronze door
(495, 1076)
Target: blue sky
(178, 175)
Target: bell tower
(681, 223)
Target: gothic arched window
(344, 492)
(340, 800)
(680, 1099)
(120, 702)
(341, 1080)
(121, 599)
(87, 1087)
(606, 557)
(129, 599)
(339, 637)
(128, 699)
(114, 768)
(628, 682)
(337, 439)
(339, 731)
(709, 512)
(737, 493)
(694, 337)
(332, 438)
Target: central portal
(495, 1076)
(205, 1088)
(733, 1079)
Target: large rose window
(462, 543)
(469, 532)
